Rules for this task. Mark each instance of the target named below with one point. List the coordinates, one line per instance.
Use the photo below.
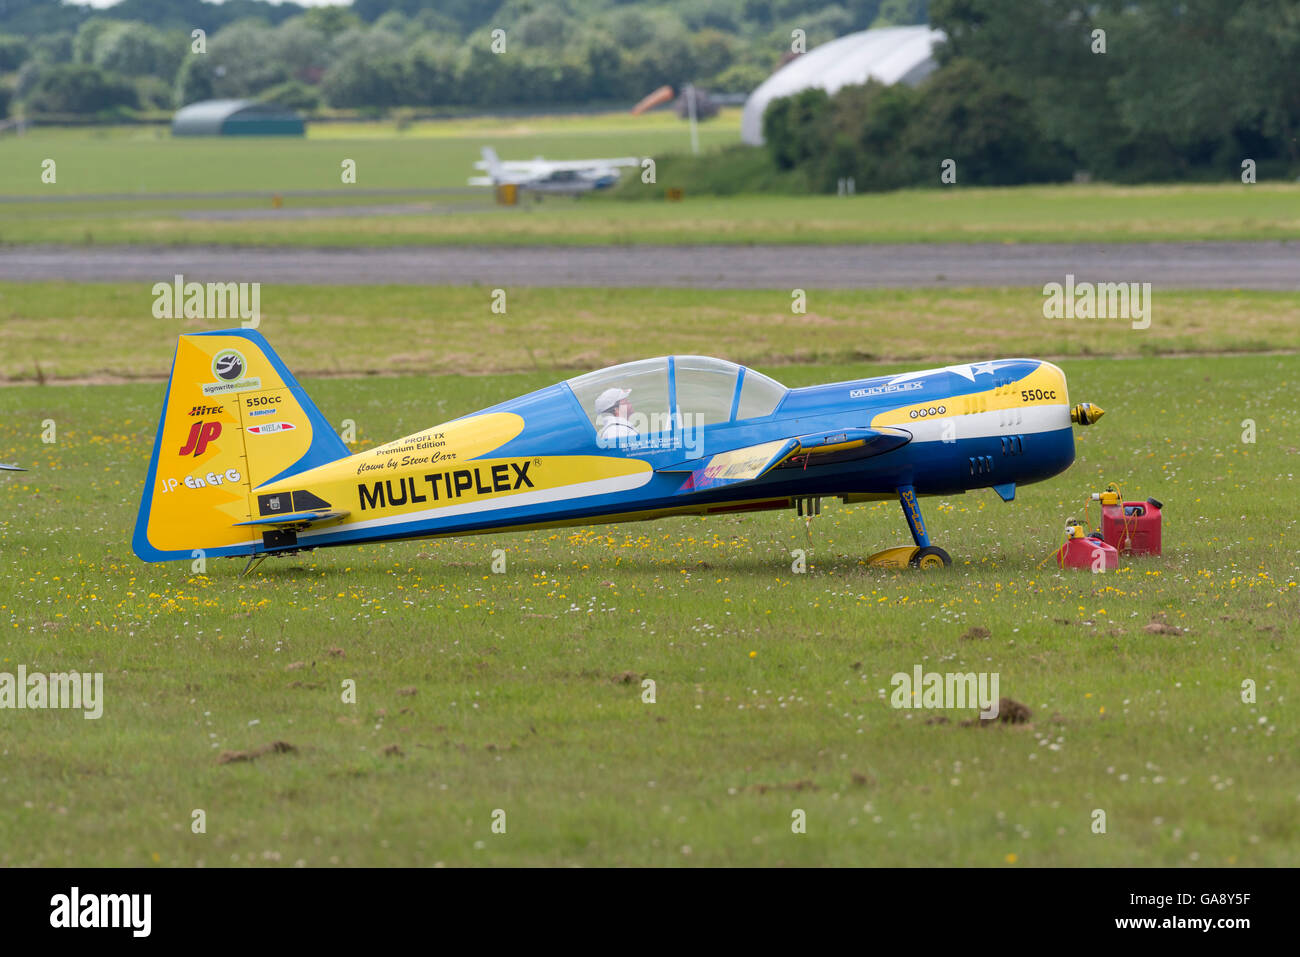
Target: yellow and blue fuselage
(245, 464)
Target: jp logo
(201, 433)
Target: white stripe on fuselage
(991, 424)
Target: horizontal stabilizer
(11, 468)
(296, 520)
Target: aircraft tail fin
(491, 162)
(234, 418)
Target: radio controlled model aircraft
(245, 465)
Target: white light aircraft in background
(565, 177)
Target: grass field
(147, 162)
(1056, 214)
(522, 691)
(104, 332)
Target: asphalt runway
(1209, 265)
(242, 194)
(333, 212)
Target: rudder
(234, 418)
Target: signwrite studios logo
(1103, 300)
(228, 367)
(214, 300)
(75, 909)
(949, 691)
(65, 690)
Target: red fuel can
(1087, 553)
(1133, 528)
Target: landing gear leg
(924, 555)
(912, 512)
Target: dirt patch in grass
(275, 747)
(801, 785)
(1010, 711)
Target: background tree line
(1185, 90)
(378, 54)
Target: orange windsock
(661, 95)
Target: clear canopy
(700, 390)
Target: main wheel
(930, 557)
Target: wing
(844, 445)
(752, 462)
(544, 167)
(580, 165)
(736, 466)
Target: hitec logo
(201, 433)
